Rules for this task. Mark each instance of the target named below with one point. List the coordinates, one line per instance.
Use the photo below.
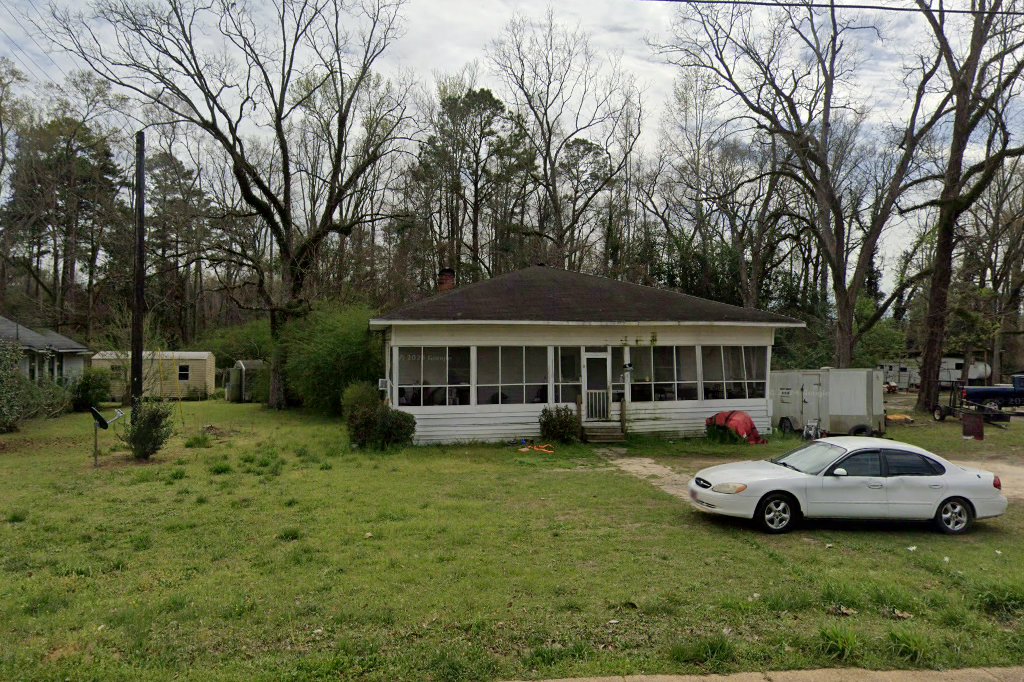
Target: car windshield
(812, 458)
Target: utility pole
(139, 300)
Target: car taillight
(963, 393)
(996, 483)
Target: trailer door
(811, 389)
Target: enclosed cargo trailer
(841, 401)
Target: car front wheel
(777, 513)
(954, 516)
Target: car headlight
(729, 488)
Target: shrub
(838, 642)
(259, 384)
(148, 430)
(91, 388)
(560, 424)
(371, 423)
(43, 398)
(362, 406)
(326, 351)
(249, 341)
(199, 440)
(394, 427)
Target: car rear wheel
(776, 513)
(786, 425)
(861, 430)
(991, 405)
(939, 413)
(954, 516)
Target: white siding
(583, 335)
(686, 418)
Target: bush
(249, 341)
(44, 398)
(259, 384)
(559, 424)
(91, 388)
(394, 427)
(326, 351)
(149, 430)
(371, 423)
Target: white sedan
(850, 478)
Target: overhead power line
(853, 6)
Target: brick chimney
(445, 280)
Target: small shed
(184, 375)
(238, 388)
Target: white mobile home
(906, 373)
(481, 362)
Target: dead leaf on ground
(840, 610)
(901, 615)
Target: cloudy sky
(442, 36)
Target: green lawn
(279, 553)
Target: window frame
(400, 382)
(830, 470)
(936, 468)
(187, 373)
(524, 388)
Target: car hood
(747, 472)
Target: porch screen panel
(618, 374)
(664, 372)
(641, 388)
(570, 377)
(433, 375)
(410, 376)
(756, 363)
(686, 373)
(735, 375)
(713, 376)
(511, 375)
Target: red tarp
(739, 423)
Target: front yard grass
(267, 549)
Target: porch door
(596, 386)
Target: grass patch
(467, 562)
(838, 642)
(199, 440)
(707, 652)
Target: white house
(45, 353)
(480, 362)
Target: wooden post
(139, 299)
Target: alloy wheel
(777, 514)
(954, 515)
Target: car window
(909, 464)
(812, 458)
(863, 463)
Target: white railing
(597, 404)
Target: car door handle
(935, 486)
(874, 485)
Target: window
(911, 464)
(865, 463)
(511, 375)
(433, 375)
(569, 374)
(183, 372)
(734, 372)
(664, 373)
(618, 374)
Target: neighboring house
(481, 362)
(165, 374)
(906, 373)
(47, 354)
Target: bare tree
(790, 73)
(575, 108)
(273, 76)
(980, 60)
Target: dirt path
(833, 675)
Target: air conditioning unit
(382, 384)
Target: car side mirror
(839, 472)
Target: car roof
(861, 442)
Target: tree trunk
(938, 304)
(965, 369)
(277, 398)
(844, 332)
